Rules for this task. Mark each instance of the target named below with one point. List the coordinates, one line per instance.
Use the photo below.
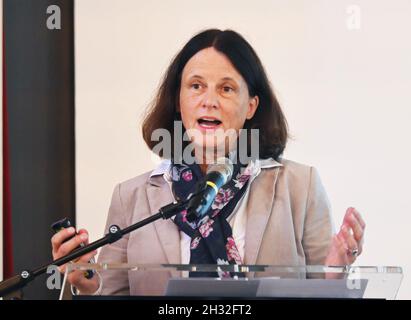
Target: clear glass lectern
(245, 281)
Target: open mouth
(206, 122)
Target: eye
(227, 89)
(196, 86)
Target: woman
(273, 211)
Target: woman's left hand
(347, 244)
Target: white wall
(344, 92)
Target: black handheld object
(64, 224)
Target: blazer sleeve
(318, 224)
(115, 282)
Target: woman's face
(213, 97)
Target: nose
(211, 99)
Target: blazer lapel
(159, 195)
(259, 207)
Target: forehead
(211, 64)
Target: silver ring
(354, 252)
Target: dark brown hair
(268, 118)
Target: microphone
(218, 175)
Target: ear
(252, 107)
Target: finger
(60, 237)
(346, 255)
(350, 240)
(339, 251)
(87, 257)
(342, 242)
(348, 212)
(358, 231)
(79, 276)
(75, 277)
(355, 212)
(359, 218)
(84, 231)
(72, 244)
(83, 259)
(62, 269)
(340, 245)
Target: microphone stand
(9, 286)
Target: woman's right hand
(61, 248)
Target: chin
(210, 150)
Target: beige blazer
(288, 223)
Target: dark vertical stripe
(40, 105)
(7, 223)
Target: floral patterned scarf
(212, 239)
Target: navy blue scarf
(212, 239)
